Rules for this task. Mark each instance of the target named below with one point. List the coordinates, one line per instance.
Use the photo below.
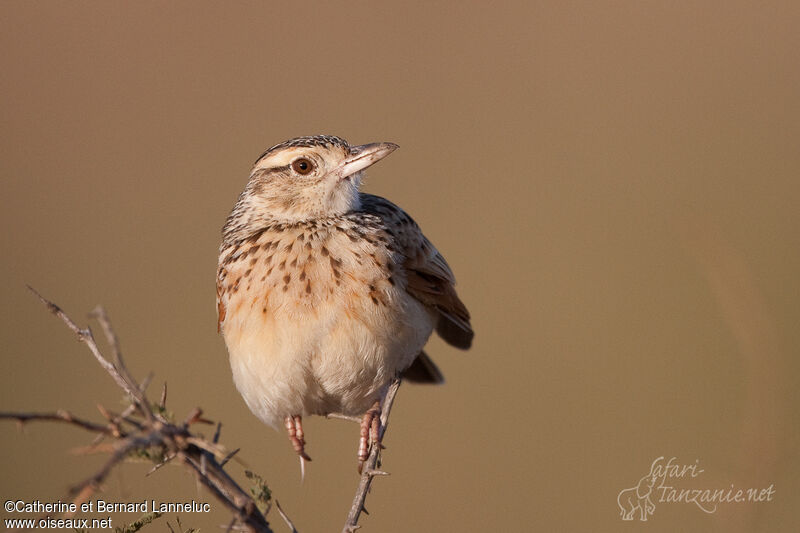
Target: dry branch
(371, 465)
(145, 430)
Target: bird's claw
(370, 434)
(294, 427)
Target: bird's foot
(370, 433)
(294, 427)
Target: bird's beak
(363, 156)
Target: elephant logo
(638, 497)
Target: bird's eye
(303, 166)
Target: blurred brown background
(615, 185)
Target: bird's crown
(310, 141)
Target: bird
(326, 294)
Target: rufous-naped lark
(326, 294)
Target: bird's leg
(370, 432)
(294, 427)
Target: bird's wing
(428, 276)
(221, 297)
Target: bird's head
(311, 177)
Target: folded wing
(429, 278)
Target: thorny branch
(371, 465)
(145, 429)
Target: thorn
(146, 381)
(356, 419)
(159, 465)
(364, 510)
(374, 472)
(104, 412)
(302, 469)
(229, 457)
(163, 403)
(195, 417)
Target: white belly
(335, 356)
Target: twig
(99, 313)
(58, 416)
(85, 488)
(85, 336)
(285, 517)
(370, 470)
